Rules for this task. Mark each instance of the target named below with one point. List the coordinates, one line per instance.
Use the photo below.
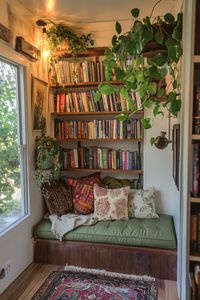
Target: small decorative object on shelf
(28, 50)
(47, 159)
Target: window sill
(13, 225)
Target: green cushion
(155, 233)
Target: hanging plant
(47, 159)
(142, 59)
(60, 34)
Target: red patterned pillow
(83, 193)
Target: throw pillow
(114, 183)
(83, 193)
(110, 204)
(142, 204)
(58, 198)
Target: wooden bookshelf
(194, 200)
(83, 84)
(97, 113)
(195, 136)
(195, 257)
(102, 140)
(91, 51)
(136, 172)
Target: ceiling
(89, 11)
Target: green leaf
(153, 72)
(162, 92)
(163, 72)
(174, 84)
(114, 40)
(107, 89)
(152, 88)
(97, 96)
(124, 93)
(107, 74)
(147, 103)
(169, 18)
(175, 107)
(177, 32)
(156, 109)
(159, 37)
(172, 54)
(147, 35)
(135, 12)
(118, 27)
(152, 141)
(119, 73)
(146, 123)
(159, 59)
(122, 117)
(139, 75)
(170, 42)
(147, 21)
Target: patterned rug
(88, 284)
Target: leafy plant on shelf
(60, 34)
(47, 159)
(142, 59)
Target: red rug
(78, 283)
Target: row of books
(97, 129)
(195, 169)
(89, 70)
(100, 158)
(84, 102)
(196, 110)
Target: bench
(136, 246)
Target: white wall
(16, 245)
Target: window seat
(138, 246)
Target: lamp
(45, 52)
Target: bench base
(159, 263)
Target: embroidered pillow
(83, 194)
(111, 204)
(58, 198)
(141, 204)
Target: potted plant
(47, 158)
(142, 59)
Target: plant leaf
(163, 72)
(118, 27)
(147, 103)
(119, 73)
(169, 18)
(135, 12)
(107, 89)
(152, 141)
(122, 117)
(124, 93)
(177, 32)
(153, 72)
(152, 87)
(159, 37)
(146, 123)
(114, 40)
(97, 96)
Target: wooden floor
(32, 278)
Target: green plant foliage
(47, 159)
(146, 74)
(61, 33)
(9, 150)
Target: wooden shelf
(83, 84)
(194, 200)
(102, 140)
(195, 257)
(91, 51)
(98, 113)
(137, 172)
(195, 136)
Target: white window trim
(7, 53)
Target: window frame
(7, 55)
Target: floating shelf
(137, 172)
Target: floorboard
(24, 287)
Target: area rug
(88, 284)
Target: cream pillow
(111, 204)
(141, 204)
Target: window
(13, 185)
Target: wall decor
(39, 95)
(5, 33)
(28, 50)
(176, 152)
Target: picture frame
(39, 98)
(176, 152)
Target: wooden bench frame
(159, 263)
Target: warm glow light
(46, 53)
(50, 5)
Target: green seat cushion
(153, 233)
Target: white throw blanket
(66, 223)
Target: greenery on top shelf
(60, 34)
(142, 59)
(47, 159)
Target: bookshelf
(194, 164)
(92, 139)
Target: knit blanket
(66, 223)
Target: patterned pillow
(141, 204)
(83, 193)
(111, 204)
(58, 198)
